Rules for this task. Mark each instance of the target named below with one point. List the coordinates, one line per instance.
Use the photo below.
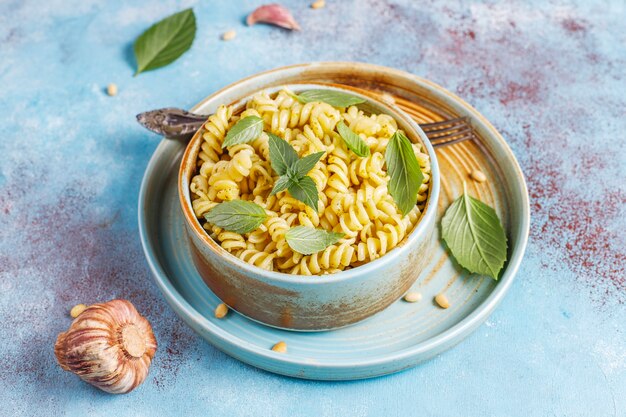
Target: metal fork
(179, 124)
(448, 132)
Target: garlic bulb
(109, 345)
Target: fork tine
(452, 122)
(457, 130)
(439, 143)
(448, 132)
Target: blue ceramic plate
(405, 333)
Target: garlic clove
(273, 14)
(109, 345)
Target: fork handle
(171, 122)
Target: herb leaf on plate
(332, 97)
(307, 240)
(474, 235)
(245, 130)
(404, 171)
(352, 140)
(165, 41)
(237, 216)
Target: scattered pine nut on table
(229, 35)
(77, 309)
(112, 89)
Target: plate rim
(201, 324)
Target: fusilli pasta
(353, 194)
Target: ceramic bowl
(310, 303)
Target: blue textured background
(549, 75)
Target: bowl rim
(410, 240)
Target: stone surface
(549, 75)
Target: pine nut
(221, 311)
(280, 347)
(478, 176)
(112, 89)
(229, 35)
(412, 297)
(318, 4)
(442, 300)
(77, 309)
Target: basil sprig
(237, 216)
(404, 172)
(165, 41)
(293, 170)
(332, 97)
(308, 240)
(474, 235)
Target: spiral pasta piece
(261, 258)
(214, 131)
(336, 256)
(338, 180)
(370, 167)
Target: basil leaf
(404, 171)
(302, 166)
(332, 97)
(304, 189)
(475, 236)
(352, 140)
(307, 240)
(282, 183)
(245, 130)
(282, 154)
(292, 170)
(165, 41)
(237, 216)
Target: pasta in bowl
(297, 181)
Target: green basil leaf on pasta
(404, 172)
(332, 97)
(305, 190)
(303, 165)
(237, 216)
(475, 236)
(352, 140)
(165, 41)
(282, 183)
(286, 163)
(282, 154)
(307, 240)
(244, 131)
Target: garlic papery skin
(273, 14)
(109, 345)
